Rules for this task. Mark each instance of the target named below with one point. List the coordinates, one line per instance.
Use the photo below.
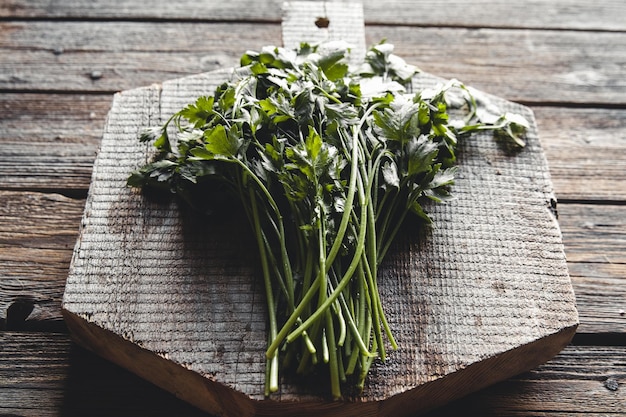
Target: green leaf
(423, 115)
(136, 179)
(221, 144)
(335, 71)
(390, 174)
(160, 137)
(299, 159)
(380, 60)
(304, 105)
(271, 161)
(227, 99)
(400, 121)
(202, 153)
(268, 107)
(417, 209)
(155, 173)
(399, 69)
(248, 58)
(421, 153)
(443, 177)
(388, 125)
(313, 144)
(150, 134)
(198, 112)
(514, 127)
(163, 142)
(296, 187)
(258, 68)
(267, 56)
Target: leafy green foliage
(327, 161)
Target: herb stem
(272, 385)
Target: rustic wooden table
(61, 63)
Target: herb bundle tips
(327, 160)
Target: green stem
(374, 311)
(320, 281)
(347, 318)
(342, 322)
(297, 312)
(356, 259)
(345, 218)
(335, 387)
(355, 332)
(286, 264)
(272, 371)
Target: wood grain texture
(594, 233)
(495, 309)
(543, 14)
(62, 167)
(46, 106)
(538, 66)
(343, 21)
(60, 381)
(35, 224)
(113, 56)
(40, 231)
(586, 151)
(523, 66)
(597, 264)
(51, 141)
(51, 120)
(37, 235)
(600, 298)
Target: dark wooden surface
(61, 63)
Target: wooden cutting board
(178, 299)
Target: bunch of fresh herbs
(327, 160)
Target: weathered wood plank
(50, 142)
(523, 66)
(37, 236)
(64, 167)
(600, 297)
(44, 374)
(527, 66)
(592, 382)
(594, 233)
(303, 24)
(595, 259)
(36, 220)
(112, 56)
(38, 231)
(60, 381)
(50, 120)
(586, 151)
(564, 14)
(594, 245)
(586, 171)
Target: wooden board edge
(216, 398)
(202, 392)
(469, 380)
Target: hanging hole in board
(322, 22)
